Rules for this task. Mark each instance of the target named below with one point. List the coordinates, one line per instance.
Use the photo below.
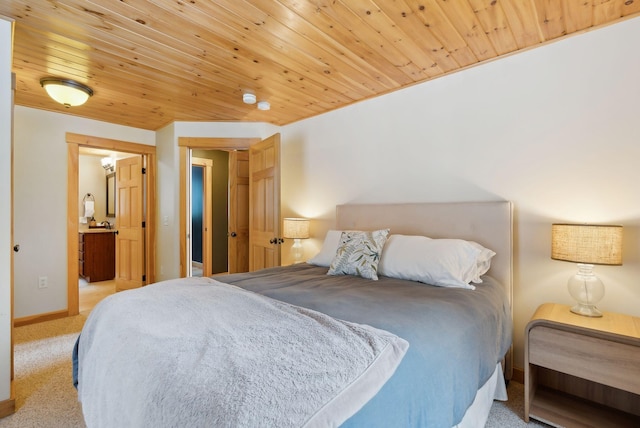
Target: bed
(432, 356)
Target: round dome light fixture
(264, 105)
(249, 98)
(67, 92)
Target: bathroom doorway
(147, 258)
(97, 225)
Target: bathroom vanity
(97, 254)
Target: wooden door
(264, 211)
(207, 222)
(238, 233)
(129, 224)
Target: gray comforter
(457, 336)
(199, 353)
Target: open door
(238, 234)
(264, 214)
(130, 259)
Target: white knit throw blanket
(199, 353)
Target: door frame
(186, 144)
(74, 142)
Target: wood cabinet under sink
(97, 255)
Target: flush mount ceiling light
(248, 98)
(67, 92)
(264, 105)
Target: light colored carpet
(510, 414)
(45, 396)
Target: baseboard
(518, 375)
(7, 407)
(34, 319)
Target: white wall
(168, 190)
(6, 243)
(40, 202)
(554, 129)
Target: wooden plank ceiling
(153, 62)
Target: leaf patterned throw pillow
(359, 253)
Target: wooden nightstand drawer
(603, 361)
(582, 371)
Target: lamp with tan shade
(296, 229)
(586, 245)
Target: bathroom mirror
(111, 194)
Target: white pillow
(483, 262)
(328, 251)
(441, 262)
(359, 253)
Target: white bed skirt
(493, 389)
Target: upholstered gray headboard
(488, 223)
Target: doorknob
(273, 241)
(16, 248)
(233, 234)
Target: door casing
(74, 142)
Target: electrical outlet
(43, 282)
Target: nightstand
(582, 371)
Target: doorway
(201, 207)
(199, 225)
(220, 150)
(262, 180)
(96, 175)
(211, 186)
(148, 154)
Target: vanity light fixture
(67, 92)
(107, 164)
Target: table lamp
(586, 245)
(296, 229)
